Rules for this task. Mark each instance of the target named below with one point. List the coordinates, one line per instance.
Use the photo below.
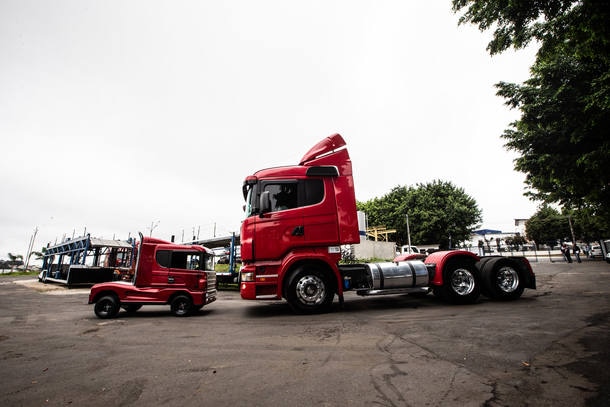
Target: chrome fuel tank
(405, 274)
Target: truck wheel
(502, 280)
(480, 265)
(310, 291)
(106, 307)
(182, 305)
(460, 283)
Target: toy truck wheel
(461, 283)
(106, 307)
(310, 291)
(182, 305)
(502, 280)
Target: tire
(310, 290)
(502, 280)
(480, 265)
(182, 305)
(461, 283)
(107, 307)
(131, 308)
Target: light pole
(153, 225)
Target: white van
(405, 249)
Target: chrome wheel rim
(311, 290)
(462, 282)
(507, 279)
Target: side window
(314, 191)
(186, 260)
(292, 194)
(194, 261)
(283, 195)
(163, 258)
(179, 260)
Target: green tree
(561, 135)
(439, 212)
(547, 226)
(15, 260)
(515, 241)
(587, 226)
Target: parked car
(221, 254)
(238, 253)
(596, 251)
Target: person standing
(577, 253)
(566, 253)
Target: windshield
(249, 208)
(208, 262)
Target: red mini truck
(297, 218)
(180, 276)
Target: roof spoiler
(328, 145)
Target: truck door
(159, 273)
(185, 266)
(300, 215)
(281, 228)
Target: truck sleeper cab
(181, 276)
(297, 218)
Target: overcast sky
(119, 116)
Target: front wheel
(460, 283)
(310, 291)
(502, 280)
(106, 307)
(182, 306)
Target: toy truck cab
(181, 276)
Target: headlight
(248, 276)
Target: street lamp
(153, 225)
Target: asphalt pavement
(549, 348)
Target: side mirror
(265, 203)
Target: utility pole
(153, 225)
(572, 230)
(408, 234)
(30, 248)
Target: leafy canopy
(438, 211)
(562, 135)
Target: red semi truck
(181, 276)
(297, 218)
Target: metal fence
(533, 255)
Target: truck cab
(297, 216)
(181, 276)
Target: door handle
(298, 231)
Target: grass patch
(8, 273)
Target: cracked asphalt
(550, 348)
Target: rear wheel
(106, 307)
(502, 280)
(182, 305)
(460, 283)
(310, 290)
(480, 265)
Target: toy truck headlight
(248, 277)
